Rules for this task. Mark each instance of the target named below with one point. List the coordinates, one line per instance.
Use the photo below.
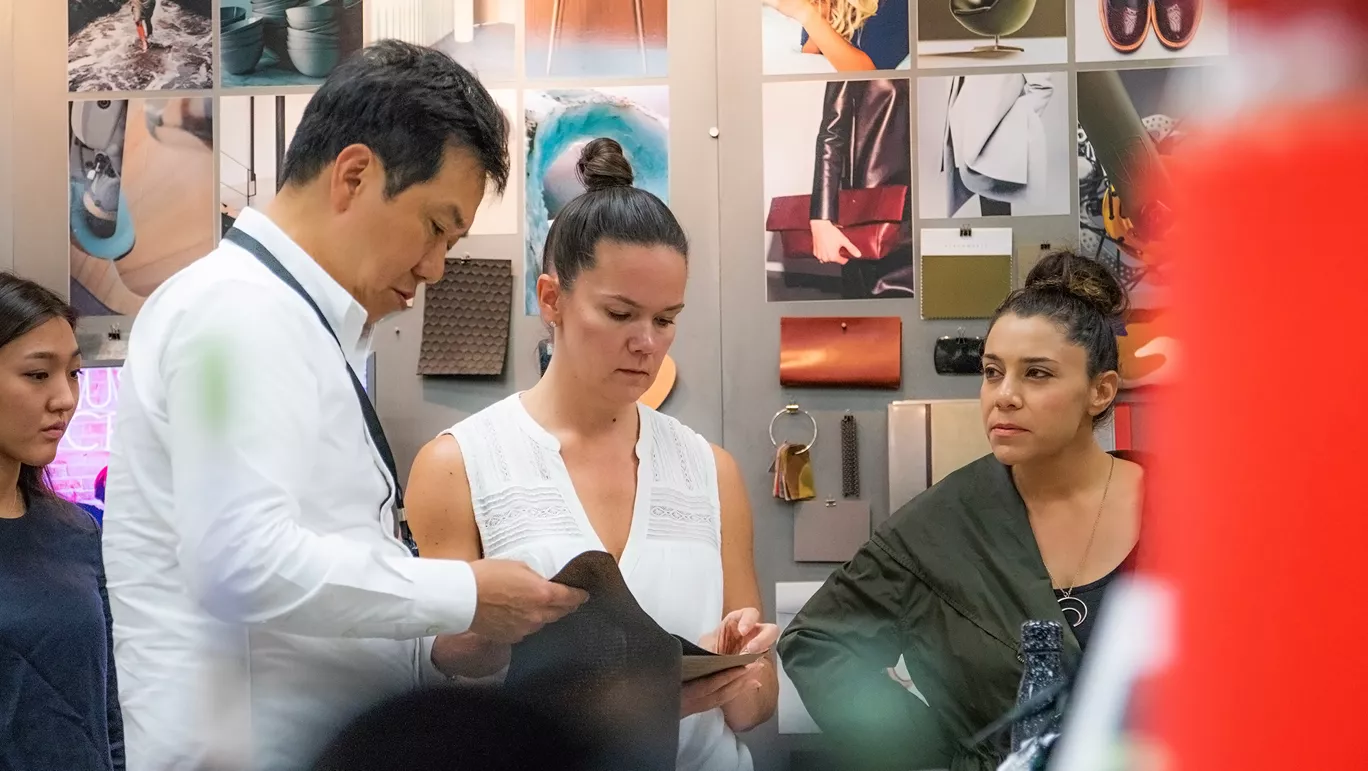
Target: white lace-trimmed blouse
(526, 509)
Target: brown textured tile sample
(466, 319)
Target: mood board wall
(742, 107)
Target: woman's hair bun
(1088, 280)
(603, 165)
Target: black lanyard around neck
(373, 426)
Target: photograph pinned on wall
(141, 176)
(976, 33)
(250, 159)
(1130, 30)
(139, 45)
(821, 36)
(480, 34)
(286, 42)
(1131, 132)
(838, 190)
(993, 145)
(559, 125)
(596, 38)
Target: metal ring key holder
(793, 409)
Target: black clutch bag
(959, 355)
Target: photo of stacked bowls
(273, 11)
(315, 36)
(242, 39)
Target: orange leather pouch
(840, 351)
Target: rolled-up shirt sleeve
(244, 421)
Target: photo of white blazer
(994, 145)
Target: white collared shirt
(253, 572)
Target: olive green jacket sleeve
(837, 652)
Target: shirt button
(432, 630)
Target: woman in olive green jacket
(1036, 530)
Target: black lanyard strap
(373, 426)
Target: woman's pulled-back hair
(610, 209)
(1083, 298)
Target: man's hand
(513, 601)
(469, 655)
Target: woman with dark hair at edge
(575, 463)
(60, 705)
(1036, 530)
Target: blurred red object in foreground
(1261, 519)
(1348, 8)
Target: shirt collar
(343, 312)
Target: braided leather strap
(850, 458)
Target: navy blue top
(885, 37)
(59, 704)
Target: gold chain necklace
(1069, 604)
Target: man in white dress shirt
(262, 595)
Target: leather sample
(792, 470)
(829, 531)
(958, 355)
(909, 466)
(957, 436)
(466, 318)
(1027, 258)
(850, 458)
(840, 351)
(964, 286)
(608, 669)
(872, 218)
(929, 440)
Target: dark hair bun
(602, 165)
(1088, 280)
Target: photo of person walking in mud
(142, 19)
(139, 45)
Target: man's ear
(355, 169)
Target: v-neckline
(641, 502)
(1038, 600)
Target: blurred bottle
(1042, 645)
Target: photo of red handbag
(872, 218)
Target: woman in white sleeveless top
(575, 464)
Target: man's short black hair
(407, 103)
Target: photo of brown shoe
(1175, 21)
(1125, 22)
